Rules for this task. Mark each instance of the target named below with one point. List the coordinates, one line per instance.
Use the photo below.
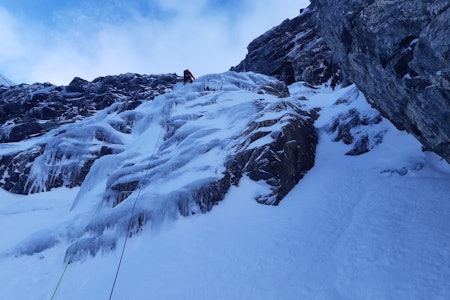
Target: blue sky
(56, 40)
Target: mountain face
(379, 201)
(180, 152)
(293, 51)
(94, 163)
(44, 114)
(28, 112)
(398, 54)
(400, 63)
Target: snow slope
(373, 226)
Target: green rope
(125, 243)
(131, 220)
(74, 248)
(126, 237)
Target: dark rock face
(398, 54)
(293, 51)
(65, 156)
(15, 168)
(32, 110)
(283, 162)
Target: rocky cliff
(293, 51)
(398, 54)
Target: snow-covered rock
(176, 155)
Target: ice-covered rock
(60, 147)
(176, 155)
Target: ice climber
(187, 76)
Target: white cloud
(185, 35)
(7, 29)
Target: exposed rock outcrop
(283, 162)
(354, 127)
(293, 51)
(398, 54)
